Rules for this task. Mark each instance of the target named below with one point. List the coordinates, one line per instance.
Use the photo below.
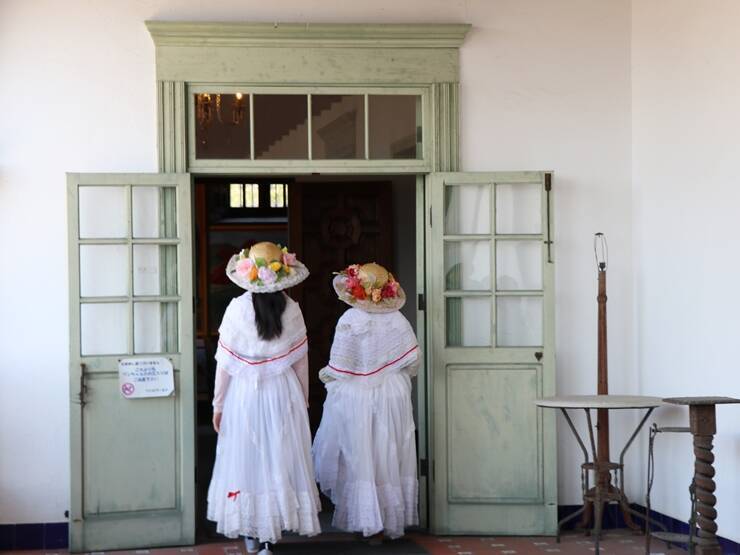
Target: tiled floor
(613, 543)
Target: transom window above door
(259, 127)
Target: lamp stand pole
(603, 491)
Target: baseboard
(613, 518)
(55, 535)
(49, 535)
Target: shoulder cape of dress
(371, 344)
(241, 349)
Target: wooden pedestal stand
(703, 426)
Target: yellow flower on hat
(275, 266)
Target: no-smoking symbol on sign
(127, 389)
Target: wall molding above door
(428, 35)
(389, 56)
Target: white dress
(263, 479)
(365, 449)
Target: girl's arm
(301, 371)
(219, 389)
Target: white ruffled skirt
(365, 454)
(263, 479)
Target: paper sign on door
(145, 377)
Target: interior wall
(685, 149)
(545, 85)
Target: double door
(488, 264)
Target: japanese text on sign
(145, 377)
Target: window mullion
(251, 126)
(308, 126)
(367, 129)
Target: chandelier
(207, 105)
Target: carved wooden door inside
(333, 225)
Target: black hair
(268, 313)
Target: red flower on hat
(390, 290)
(358, 292)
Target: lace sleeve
(301, 371)
(219, 389)
(413, 369)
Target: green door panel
(131, 294)
(491, 336)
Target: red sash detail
(257, 362)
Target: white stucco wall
(686, 116)
(545, 85)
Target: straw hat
(265, 268)
(369, 287)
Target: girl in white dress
(365, 449)
(263, 479)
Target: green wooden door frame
(335, 58)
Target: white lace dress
(263, 478)
(365, 449)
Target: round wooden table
(599, 495)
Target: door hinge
(430, 216)
(82, 395)
(421, 303)
(419, 136)
(548, 182)
(423, 467)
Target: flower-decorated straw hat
(265, 268)
(369, 287)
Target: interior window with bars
(278, 195)
(244, 195)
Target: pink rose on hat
(244, 266)
(289, 258)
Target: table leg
(702, 421)
(598, 517)
(598, 502)
(584, 485)
(627, 511)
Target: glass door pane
(104, 270)
(467, 265)
(519, 208)
(102, 212)
(468, 321)
(519, 321)
(518, 265)
(467, 209)
(153, 212)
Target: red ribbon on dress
(233, 494)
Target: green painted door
(131, 295)
(491, 331)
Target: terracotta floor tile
(613, 543)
